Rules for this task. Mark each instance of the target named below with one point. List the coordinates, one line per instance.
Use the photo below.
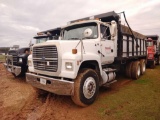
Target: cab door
(107, 45)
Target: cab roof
(154, 37)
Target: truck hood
(66, 46)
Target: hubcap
(144, 67)
(138, 71)
(89, 87)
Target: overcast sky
(20, 20)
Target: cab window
(105, 32)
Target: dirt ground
(20, 101)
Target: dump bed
(131, 45)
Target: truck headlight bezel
(69, 66)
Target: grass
(138, 100)
(2, 58)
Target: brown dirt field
(20, 101)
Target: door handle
(100, 53)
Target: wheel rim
(144, 67)
(89, 87)
(138, 71)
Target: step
(109, 83)
(109, 70)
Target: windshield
(75, 32)
(149, 43)
(42, 39)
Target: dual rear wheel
(135, 68)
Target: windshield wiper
(73, 39)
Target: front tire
(86, 87)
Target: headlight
(29, 63)
(69, 66)
(20, 59)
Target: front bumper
(57, 86)
(13, 69)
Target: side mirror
(113, 28)
(87, 32)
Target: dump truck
(153, 50)
(89, 54)
(16, 61)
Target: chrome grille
(14, 54)
(45, 58)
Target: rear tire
(142, 66)
(153, 64)
(158, 60)
(136, 70)
(128, 69)
(86, 88)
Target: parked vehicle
(153, 50)
(89, 54)
(52, 34)
(16, 61)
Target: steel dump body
(130, 46)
